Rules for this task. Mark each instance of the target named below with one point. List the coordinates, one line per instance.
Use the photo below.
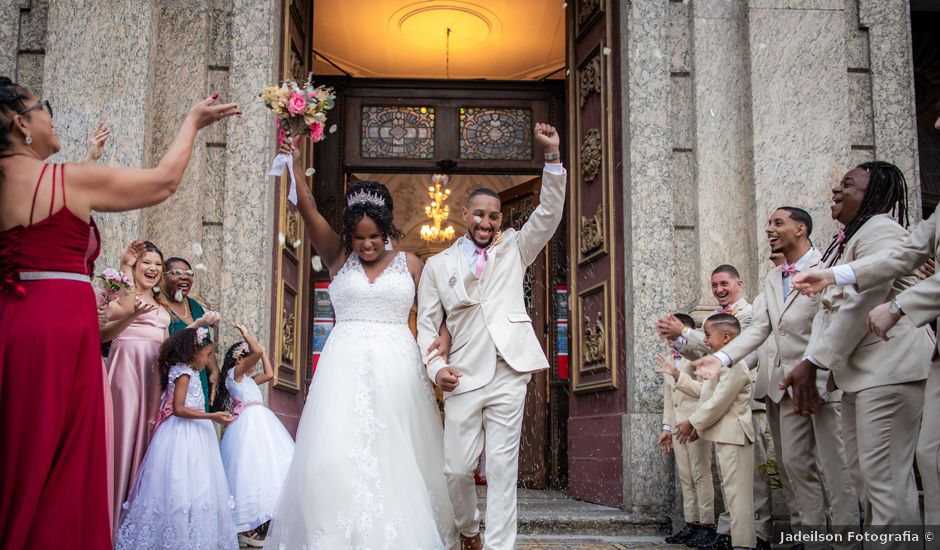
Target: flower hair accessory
(240, 350)
(365, 197)
(201, 334)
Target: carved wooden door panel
(290, 348)
(518, 204)
(596, 253)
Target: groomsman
(784, 317)
(921, 305)
(882, 382)
(726, 287)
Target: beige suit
(694, 459)
(694, 348)
(787, 323)
(921, 304)
(723, 416)
(496, 349)
(883, 382)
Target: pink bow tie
(726, 310)
(482, 256)
(789, 270)
(840, 237)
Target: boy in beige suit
(693, 459)
(723, 416)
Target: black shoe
(720, 542)
(685, 534)
(702, 536)
(762, 544)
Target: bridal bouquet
(113, 284)
(300, 110)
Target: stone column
(649, 257)
(9, 37)
(96, 69)
(248, 206)
(799, 109)
(177, 80)
(892, 89)
(722, 139)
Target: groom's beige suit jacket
(488, 316)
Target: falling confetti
(297, 243)
(478, 219)
(310, 172)
(281, 239)
(761, 46)
(317, 263)
(332, 128)
(201, 267)
(197, 249)
(606, 51)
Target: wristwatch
(895, 309)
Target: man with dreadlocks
(920, 304)
(882, 381)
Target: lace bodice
(247, 391)
(387, 299)
(194, 397)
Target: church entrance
(443, 95)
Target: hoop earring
(29, 140)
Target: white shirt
(800, 264)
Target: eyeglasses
(180, 272)
(44, 104)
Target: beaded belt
(379, 321)
(53, 275)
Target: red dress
(53, 460)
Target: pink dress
(135, 393)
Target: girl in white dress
(256, 448)
(181, 498)
(368, 469)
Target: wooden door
(518, 204)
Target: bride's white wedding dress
(368, 466)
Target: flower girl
(180, 498)
(256, 448)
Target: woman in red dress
(53, 462)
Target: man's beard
(178, 296)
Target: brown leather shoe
(471, 543)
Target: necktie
(482, 256)
(789, 270)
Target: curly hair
(222, 398)
(12, 102)
(381, 215)
(180, 348)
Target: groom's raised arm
(544, 220)
(430, 317)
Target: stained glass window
(487, 133)
(391, 132)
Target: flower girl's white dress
(181, 498)
(368, 469)
(256, 453)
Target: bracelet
(553, 156)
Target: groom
(477, 285)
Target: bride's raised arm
(326, 241)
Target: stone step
(554, 513)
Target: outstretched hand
(207, 112)
(707, 367)
(813, 281)
(665, 365)
(669, 327)
(132, 253)
(97, 142)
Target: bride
(368, 466)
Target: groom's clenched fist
(448, 378)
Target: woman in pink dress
(53, 459)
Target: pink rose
(296, 103)
(316, 132)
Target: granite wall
(735, 107)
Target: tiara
(365, 197)
(240, 350)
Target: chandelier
(438, 212)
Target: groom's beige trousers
(496, 410)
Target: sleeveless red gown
(53, 458)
